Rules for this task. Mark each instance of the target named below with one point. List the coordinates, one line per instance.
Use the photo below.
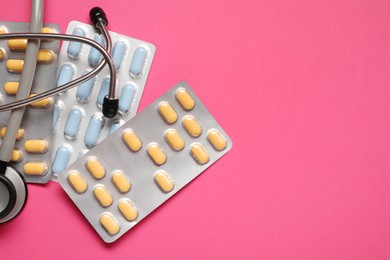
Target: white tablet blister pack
(78, 120)
(146, 161)
(32, 153)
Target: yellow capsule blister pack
(32, 153)
(146, 161)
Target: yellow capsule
(16, 156)
(163, 181)
(128, 210)
(167, 112)
(14, 66)
(95, 168)
(48, 30)
(156, 154)
(199, 153)
(192, 126)
(17, 44)
(3, 30)
(120, 181)
(102, 195)
(36, 146)
(131, 140)
(19, 135)
(109, 223)
(44, 103)
(216, 140)
(2, 54)
(174, 139)
(184, 99)
(35, 168)
(46, 56)
(77, 182)
(11, 87)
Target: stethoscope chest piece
(13, 194)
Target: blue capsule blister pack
(78, 123)
(31, 156)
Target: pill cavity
(75, 47)
(163, 181)
(93, 130)
(102, 195)
(77, 182)
(73, 123)
(65, 75)
(109, 223)
(174, 139)
(184, 99)
(192, 127)
(94, 55)
(118, 53)
(14, 66)
(126, 97)
(132, 141)
(16, 156)
(127, 209)
(44, 103)
(199, 153)
(138, 61)
(216, 140)
(84, 90)
(156, 154)
(115, 125)
(11, 87)
(95, 168)
(103, 91)
(61, 159)
(19, 134)
(36, 146)
(35, 168)
(167, 112)
(120, 181)
(46, 56)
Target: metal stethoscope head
(13, 188)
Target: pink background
(301, 87)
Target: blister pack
(32, 153)
(145, 162)
(78, 120)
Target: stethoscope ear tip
(97, 16)
(110, 107)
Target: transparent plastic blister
(145, 162)
(78, 123)
(32, 154)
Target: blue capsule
(118, 53)
(94, 55)
(127, 96)
(115, 125)
(84, 90)
(61, 159)
(138, 61)
(93, 130)
(73, 123)
(103, 91)
(65, 75)
(75, 47)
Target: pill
(11, 87)
(57, 112)
(44, 103)
(103, 91)
(36, 146)
(95, 124)
(48, 30)
(75, 47)
(94, 55)
(109, 223)
(84, 90)
(95, 168)
(126, 97)
(174, 139)
(184, 99)
(19, 135)
(16, 156)
(120, 181)
(156, 154)
(46, 56)
(65, 75)
(118, 53)
(102, 196)
(77, 182)
(14, 66)
(131, 140)
(3, 30)
(192, 126)
(216, 140)
(164, 181)
(17, 44)
(167, 112)
(61, 159)
(199, 153)
(2, 54)
(35, 168)
(115, 125)
(138, 61)
(128, 210)
(73, 123)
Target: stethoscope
(13, 187)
